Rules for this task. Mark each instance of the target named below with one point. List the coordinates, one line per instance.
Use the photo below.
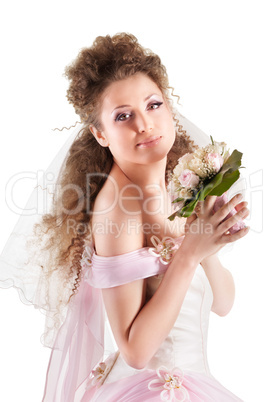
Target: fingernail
(239, 196)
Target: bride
(111, 248)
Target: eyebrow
(145, 99)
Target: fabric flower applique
(163, 249)
(171, 385)
(99, 374)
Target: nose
(144, 123)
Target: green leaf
(173, 216)
(228, 180)
(178, 200)
(188, 209)
(233, 162)
(209, 187)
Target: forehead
(129, 91)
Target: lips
(150, 141)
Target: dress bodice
(186, 345)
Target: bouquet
(210, 170)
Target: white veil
(20, 262)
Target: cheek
(171, 128)
(119, 142)
(168, 119)
(171, 136)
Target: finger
(229, 238)
(199, 208)
(189, 221)
(209, 202)
(241, 205)
(191, 218)
(221, 214)
(238, 217)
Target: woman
(110, 242)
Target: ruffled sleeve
(106, 272)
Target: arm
(221, 280)
(135, 324)
(222, 284)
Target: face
(137, 124)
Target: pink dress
(179, 369)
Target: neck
(145, 176)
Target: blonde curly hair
(109, 59)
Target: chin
(154, 158)
(160, 151)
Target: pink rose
(215, 160)
(220, 201)
(188, 179)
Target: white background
(216, 56)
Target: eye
(155, 105)
(122, 116)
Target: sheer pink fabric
(78, 347)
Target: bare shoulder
(117, 217)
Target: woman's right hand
(207, 232)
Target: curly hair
(109, 59)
